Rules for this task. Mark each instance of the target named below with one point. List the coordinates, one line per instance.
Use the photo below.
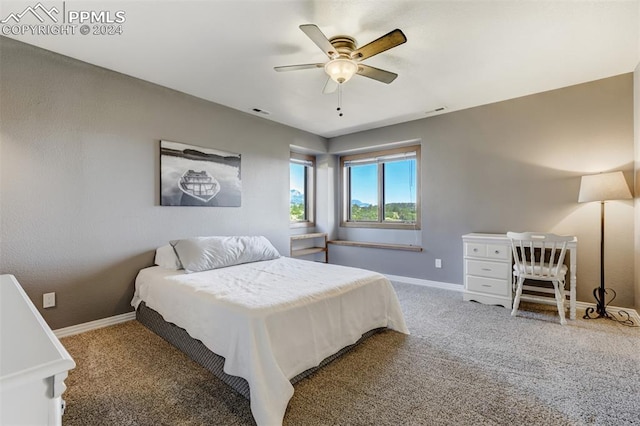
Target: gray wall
(79, 170)
(513, 165)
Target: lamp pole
(602, 307)
(599, 292)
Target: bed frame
(197, 351)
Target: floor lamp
(603, 187)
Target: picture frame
(197, 176)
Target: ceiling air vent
(433, 111)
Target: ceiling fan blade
(386, 42)
(298, 67)
(330, 86)
(376, 73)
(316, 36)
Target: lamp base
(601, 308)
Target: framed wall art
(197, 176)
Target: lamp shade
(603, 187)
(341, 70)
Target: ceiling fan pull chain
(339, 100)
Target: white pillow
(205, 253)
(166, 257)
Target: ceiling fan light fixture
(341, 70)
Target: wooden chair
(539, 256)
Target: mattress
(272, 320)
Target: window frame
(346, 190)
(310, 190)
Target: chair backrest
(538, 254)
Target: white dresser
(487, 269)
(33, 362)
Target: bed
(269, 318)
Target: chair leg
(516, 301)
(559, 301)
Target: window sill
(405, 247)
(381, 225)
(294, 225)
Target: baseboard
(633, 314)
(93, 325)
(425, 283)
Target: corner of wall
(326, 165)
(636, 126)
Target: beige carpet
(464, 364)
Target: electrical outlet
(438, 263)
(48, 300)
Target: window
(382, 189)
(301, 189)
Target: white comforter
(272, 320)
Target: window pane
(400, 191)
(364, 193)
(381, 189)
(297, 184)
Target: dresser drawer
(488, 285)
(488, 269)
(475, 250)
(498, 252)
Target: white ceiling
(459, 54)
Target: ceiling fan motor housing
(344, 45)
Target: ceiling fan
(345, 56)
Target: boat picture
(200, 185)
(198, 176)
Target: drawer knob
(475, 250)
(497, 252)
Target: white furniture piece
(33, 362)
(488, 273)
(540, 257)
(487, 269)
